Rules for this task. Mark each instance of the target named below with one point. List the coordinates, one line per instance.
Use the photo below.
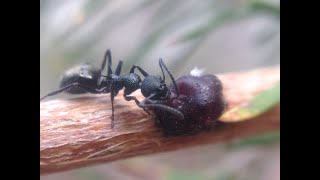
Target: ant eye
(162, 86)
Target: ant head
(154, 85)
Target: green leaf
(258, 105)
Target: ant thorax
(131, 82)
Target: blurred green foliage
(183, 32)
(262, 139)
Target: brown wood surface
(76, 132)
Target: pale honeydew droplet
(197, 72)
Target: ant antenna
(163, 76)
(173, 81)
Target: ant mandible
(90, 80)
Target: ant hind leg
(66, 88)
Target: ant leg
(107, 56)
(130, 98)
(112, 100)
(173, 81)
(163, 107)
(110, 72)
(118, 70)
(160, 106)
(143, 72)
(71, 86)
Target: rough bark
(76, 132)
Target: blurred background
(217, 35)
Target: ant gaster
(90, 80)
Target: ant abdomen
(84, 74)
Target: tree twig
(76, 132)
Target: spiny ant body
(87, 79)
(187, 105)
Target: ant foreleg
(162, 107)
(130, 98)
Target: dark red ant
(199, 99)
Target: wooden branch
(76, 132)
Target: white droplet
(197, 72)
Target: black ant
(86, 79)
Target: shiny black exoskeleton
(86, 79)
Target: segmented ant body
(187, 105)
(86, 79)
